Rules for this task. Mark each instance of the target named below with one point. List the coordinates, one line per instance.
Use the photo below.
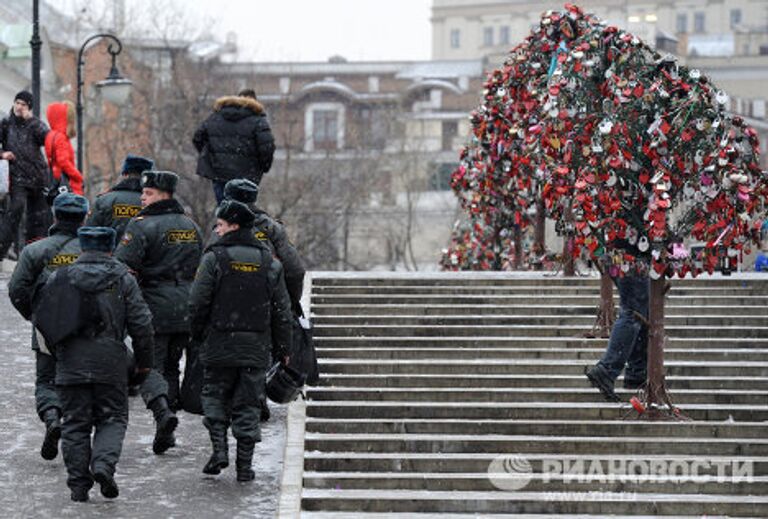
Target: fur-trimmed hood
(238, 102)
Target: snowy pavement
(167, 486)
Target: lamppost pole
(36, 43)
(114, 76)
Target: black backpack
(63, 311)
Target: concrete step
(475, 319)
(537, 463)
(524, 380)
(528, 366)
(564, 289)
(586, 394)
(521, 299)
(482, 342)
(429, 515)
(521, 410)
(626, 482)
(532, 502)
(321, 310)
(511, 279)
(396, 330)
(594, 428)
(379, 352)
(509, 444)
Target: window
(488, 36)
(325, 129)
(455, 38)
(682, 23)
(699, 22)
(735, 17)
(373, 129)
(504, 35)
(450, 130)
(440, 176)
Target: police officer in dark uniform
(240, 310)
(271, 232)
(36, 263)
(92, 362)
(163, 247)
(116, 207)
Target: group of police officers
(136, 264)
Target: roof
(402, 69)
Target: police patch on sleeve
(126, 239)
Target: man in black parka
(36, 263)
(116, 207)
(92, 365)
(235, 141)
(162, 246)
(241, 313)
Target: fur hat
(26, 97)
(136, 164)
(69, 206)
(241, 190)
(101, 239)
(162, 180)
(233, 211)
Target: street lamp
(36, 43)
(115, 88)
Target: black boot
(50, 448)
(166, 423)
(599, 379)
(79, 495)
(107, 482)
(244, 460)
(220, 457)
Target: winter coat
(163, 246)
(58, 148)
(271, 233)
(235, 141)
(38, 261)
(116, 207)
(24, 137)
(102, 358)
(240, 348)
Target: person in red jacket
(58, 148)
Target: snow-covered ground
(171, 485)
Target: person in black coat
(92, 362)
(235, 141)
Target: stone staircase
(463, 395)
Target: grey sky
(310, 30)
(306, 30)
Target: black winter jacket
(102, 358)
(235, 141)
(24, 137)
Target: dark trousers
(231, 396)
(38, 217)
(163, 380)
(218, 190)
(86, 407)
(46, 396)
(628, 344)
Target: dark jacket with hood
(235, 141)
(162, 246)
(25, 137)
(230, 348)
(39, 260)
(116, 207)
(100, 357)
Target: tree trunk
(518, 237)
(606, 311)
(539, 234)
(657, 390)
(569, 269)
